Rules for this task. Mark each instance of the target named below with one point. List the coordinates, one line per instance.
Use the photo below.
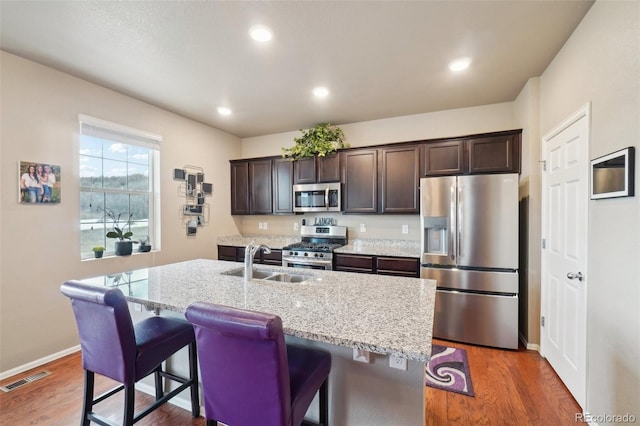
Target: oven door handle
(326, 198)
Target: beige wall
(40, 244)
(527, 112)
(600, 64)
(455, 122)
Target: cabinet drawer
(399, 265)
(227, 253)
(354, 261)
(273, 258)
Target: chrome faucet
(249, 253)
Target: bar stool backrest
(105, 329)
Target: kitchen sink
(257, 274)
(276, 276)
(288, 278)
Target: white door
(565, 195)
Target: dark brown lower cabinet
(399, 266)
(236, 254)
(273, 258)
(353, 263)
(383, 265)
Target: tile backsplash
(359, 226)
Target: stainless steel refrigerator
(470, 246)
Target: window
(118, 167)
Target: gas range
(315, 251)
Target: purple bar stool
(249, 375)
(114, 347)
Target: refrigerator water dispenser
(435, 235)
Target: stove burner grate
(319, 247)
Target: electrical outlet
(363, 227)
(361, 355)
(259, 225)
(405, 229)
(295, 226)
(398, 362)
(265, 225)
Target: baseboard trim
(529, 346)
(38, 362)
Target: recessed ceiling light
(224, 111)
(320, 92)
(460, 64)
(260, 33)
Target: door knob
(573, 276)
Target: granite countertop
(374, 247)
(378, 313)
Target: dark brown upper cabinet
(240, 187)
(317, 169)
(399, 176)
(360, 176)
(251, 191)
(376, 179)
(495, 153)
(442, 158)
(282, 186)
(260, 194)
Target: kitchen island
(334, 311)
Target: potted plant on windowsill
(123, 234)
(98, 251)
(321, 140)
(144, 245)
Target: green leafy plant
(321, 140)
(121, 232)
(98, 248)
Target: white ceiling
(378, 58)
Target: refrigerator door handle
(453, 231)
(459, 220)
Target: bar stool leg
(193, 375)
(323, 417)
(158, 380)
(129, 404)
(87, 404)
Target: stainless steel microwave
(317, 197)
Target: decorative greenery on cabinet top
(321, 140)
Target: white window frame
(131, 136)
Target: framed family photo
(38, 183)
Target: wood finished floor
(511, 388)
